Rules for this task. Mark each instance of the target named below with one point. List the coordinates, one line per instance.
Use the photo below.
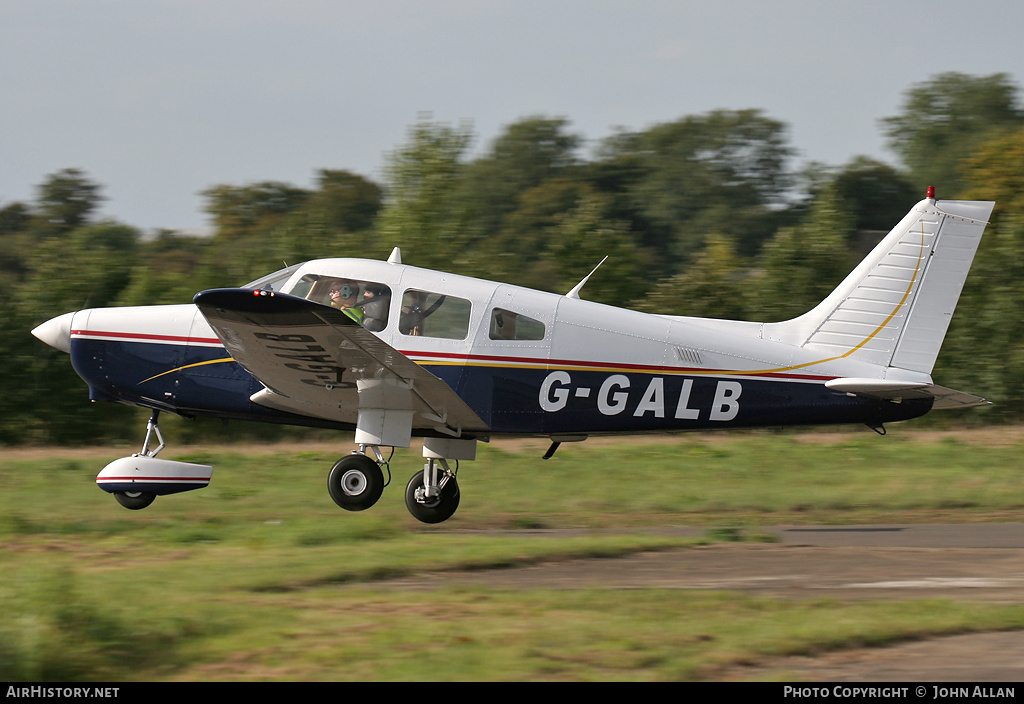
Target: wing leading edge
(316, 361)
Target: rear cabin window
(366, 302)
(429, 314)
(506, 325)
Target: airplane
(392, 351)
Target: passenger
(375, 306)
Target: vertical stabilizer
(895, 307)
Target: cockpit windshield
(274, 282)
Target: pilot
(343, 295)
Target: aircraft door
(511, 355)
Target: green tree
(995, 171)
(877, 195)
(336, 220)
(66, 200)
(514, 253)
(15, 241)
(579, 240)
(166, 271)
(712, 285)
(984, 348)
(421, 212)
(944, 120)
(526, 154)
(86, 268)
(241, 211)
(718, 172)
(344, 201)
(983, 352)
(803, 263)
(14, 218)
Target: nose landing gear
(137, 480)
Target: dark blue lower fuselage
(539, 400)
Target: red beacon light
(931, 193)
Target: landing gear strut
(138, 500)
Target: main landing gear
(432, 495)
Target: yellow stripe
(188, 366)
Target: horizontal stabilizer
(896, 391)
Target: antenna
(396, 256)
(575, 293)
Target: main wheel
(435, 510)
(355, 482)
(134, 500)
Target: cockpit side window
(429, 314)
(507, 325)
(366, 302)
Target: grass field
(261, 577)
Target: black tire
(436, 510)
(355, 482)
(134, 500)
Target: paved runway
(972, 562)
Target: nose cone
(56, 332)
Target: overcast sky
(157, 100)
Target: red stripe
(145, 336)
(549, 363)
(152, 479)
(556, 363)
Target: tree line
(703, 216)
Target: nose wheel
(134, 500)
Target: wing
(898, 390)
(316, 361)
